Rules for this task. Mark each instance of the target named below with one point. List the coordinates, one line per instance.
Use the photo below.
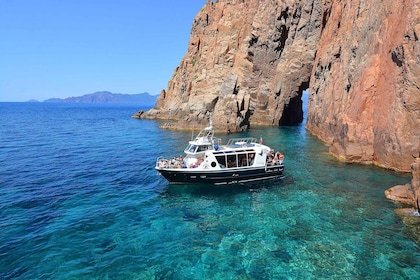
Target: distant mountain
(106, 97)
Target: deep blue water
(79, 199)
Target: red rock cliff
(364, 91)
(249, 61)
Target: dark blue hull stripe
(179, 176)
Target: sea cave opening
(295, 112)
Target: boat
(206, 160)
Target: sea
(80, 199)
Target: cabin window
(221, 160)
(232, 161)
(242, 160)
(251, 157)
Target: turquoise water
(79, 199)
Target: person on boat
(200, 160)
(251, 159)
(278, 158)
(242, 161)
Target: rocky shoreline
(408, 197)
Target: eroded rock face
(249, 61)
(365, 85)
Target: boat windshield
(197, 148)
(204, 148)
(191, 148)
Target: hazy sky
(63, 48)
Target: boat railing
(248, 141)
(274, 160)
(175, 162)
(160, 160)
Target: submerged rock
(411, 218)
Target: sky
(64, 48)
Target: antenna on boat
(210, 127)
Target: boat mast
(210, 127)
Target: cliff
(248, 62)
(365, 85)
